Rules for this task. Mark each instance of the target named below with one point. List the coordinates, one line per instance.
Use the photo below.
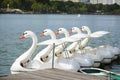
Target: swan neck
(24, 57)
(78, 31)
(33, 47)
(53, 36)
(66, 34)
(88, 31)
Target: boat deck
(51, 74)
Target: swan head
(75, 29)
(27, 34)
(62, 31)
(86, 28)
(49, 32)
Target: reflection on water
(12, 26)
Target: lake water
(13, 25)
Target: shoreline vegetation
(56, 7)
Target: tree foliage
(46, 6)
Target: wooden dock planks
(51, 74)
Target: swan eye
(44, 31)
(24, 33)
(60, 29)
(83, 27)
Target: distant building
(58, 0)
(84, 1)
(117, 1)
(94, 1)
(105, 1)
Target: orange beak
(57, 33)
(22, 37)
(42, 34)
(70, 32)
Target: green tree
(91, 8)
(46, 6)
(26, 4)
(4, 3)
(99, 7)
(35, 7)
(43, 1)
(83, 9)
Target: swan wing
(78, 37)
(51, 42)
(69, 39)
(99, 34)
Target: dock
(51, 74)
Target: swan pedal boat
(100, 72)
(24, 64)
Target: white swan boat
(24, 64)
(70, 63)
(83, 60)
(20, 64)
(107, 55)
(89, 52)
